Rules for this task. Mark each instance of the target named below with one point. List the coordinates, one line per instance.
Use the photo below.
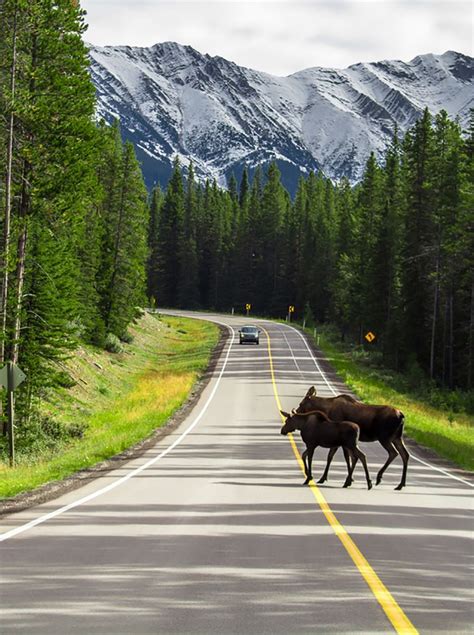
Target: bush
(126, 337)
(112, 344)
(40, 434)
(64, 380)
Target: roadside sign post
(247, 308)
(291, 309)
(11, 376)
(11, 415)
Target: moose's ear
(285, 414)
(311, 391)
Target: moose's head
(290, 423)
(307, 403)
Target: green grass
(122, 398)
(450, 434)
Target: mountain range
(172, 100)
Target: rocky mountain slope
(173, 100)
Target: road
(212, 531)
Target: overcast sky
(289, 35)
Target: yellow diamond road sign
(248, 307)
(369, 336)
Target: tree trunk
(445, 342)
(20, 259)
(8, 198)
(471, 341)
(118, 240)
(433, 322)
(451, 339)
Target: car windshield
(249, 329)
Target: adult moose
(377, 423)
(318, 430)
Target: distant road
(212, 531)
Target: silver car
(249, 334)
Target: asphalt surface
(212, 531)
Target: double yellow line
(397, 617)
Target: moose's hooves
(399, 487)
(379, 480)
(322, 480)
(369, 485)
(347, 483)
(308, 478)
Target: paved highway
(212, 531)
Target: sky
(289, 35)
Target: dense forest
(82, 244)
(392, 255)
(74, 211)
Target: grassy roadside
(450, 434)
(122, 398)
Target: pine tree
(270, 275)
(124, 279)
(385, 279)
(52, 171)
(156, 202)
(344, 275)
(188, 291)
(171, 228)
(419, 240)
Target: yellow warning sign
(291, 309)
(248, 307)
(369, 336)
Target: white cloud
(289, 35)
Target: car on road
(249, 334)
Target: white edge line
(41, 519)
(413, 456)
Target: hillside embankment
(117, 400)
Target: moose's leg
(398, 443)
(351, 461)
(304, 456)
(392, 454)
(309, 474)
(360, 455)
(331, 454)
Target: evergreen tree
(419, 239)
(188, 291)
(156, 202)
(271, 275)
(171, 228)
(52, 175)
(124, 279)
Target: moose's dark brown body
(377, 423)
(318, 430)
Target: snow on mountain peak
(173, 100)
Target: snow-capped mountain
(172, 100)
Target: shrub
(64, 380)
(39, 434)
(112, 344)
(126, 337)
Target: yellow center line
(395, 614)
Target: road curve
(211, 531)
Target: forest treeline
(74, 209)
(392, 255)
(83, 245)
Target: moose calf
(318, 430)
